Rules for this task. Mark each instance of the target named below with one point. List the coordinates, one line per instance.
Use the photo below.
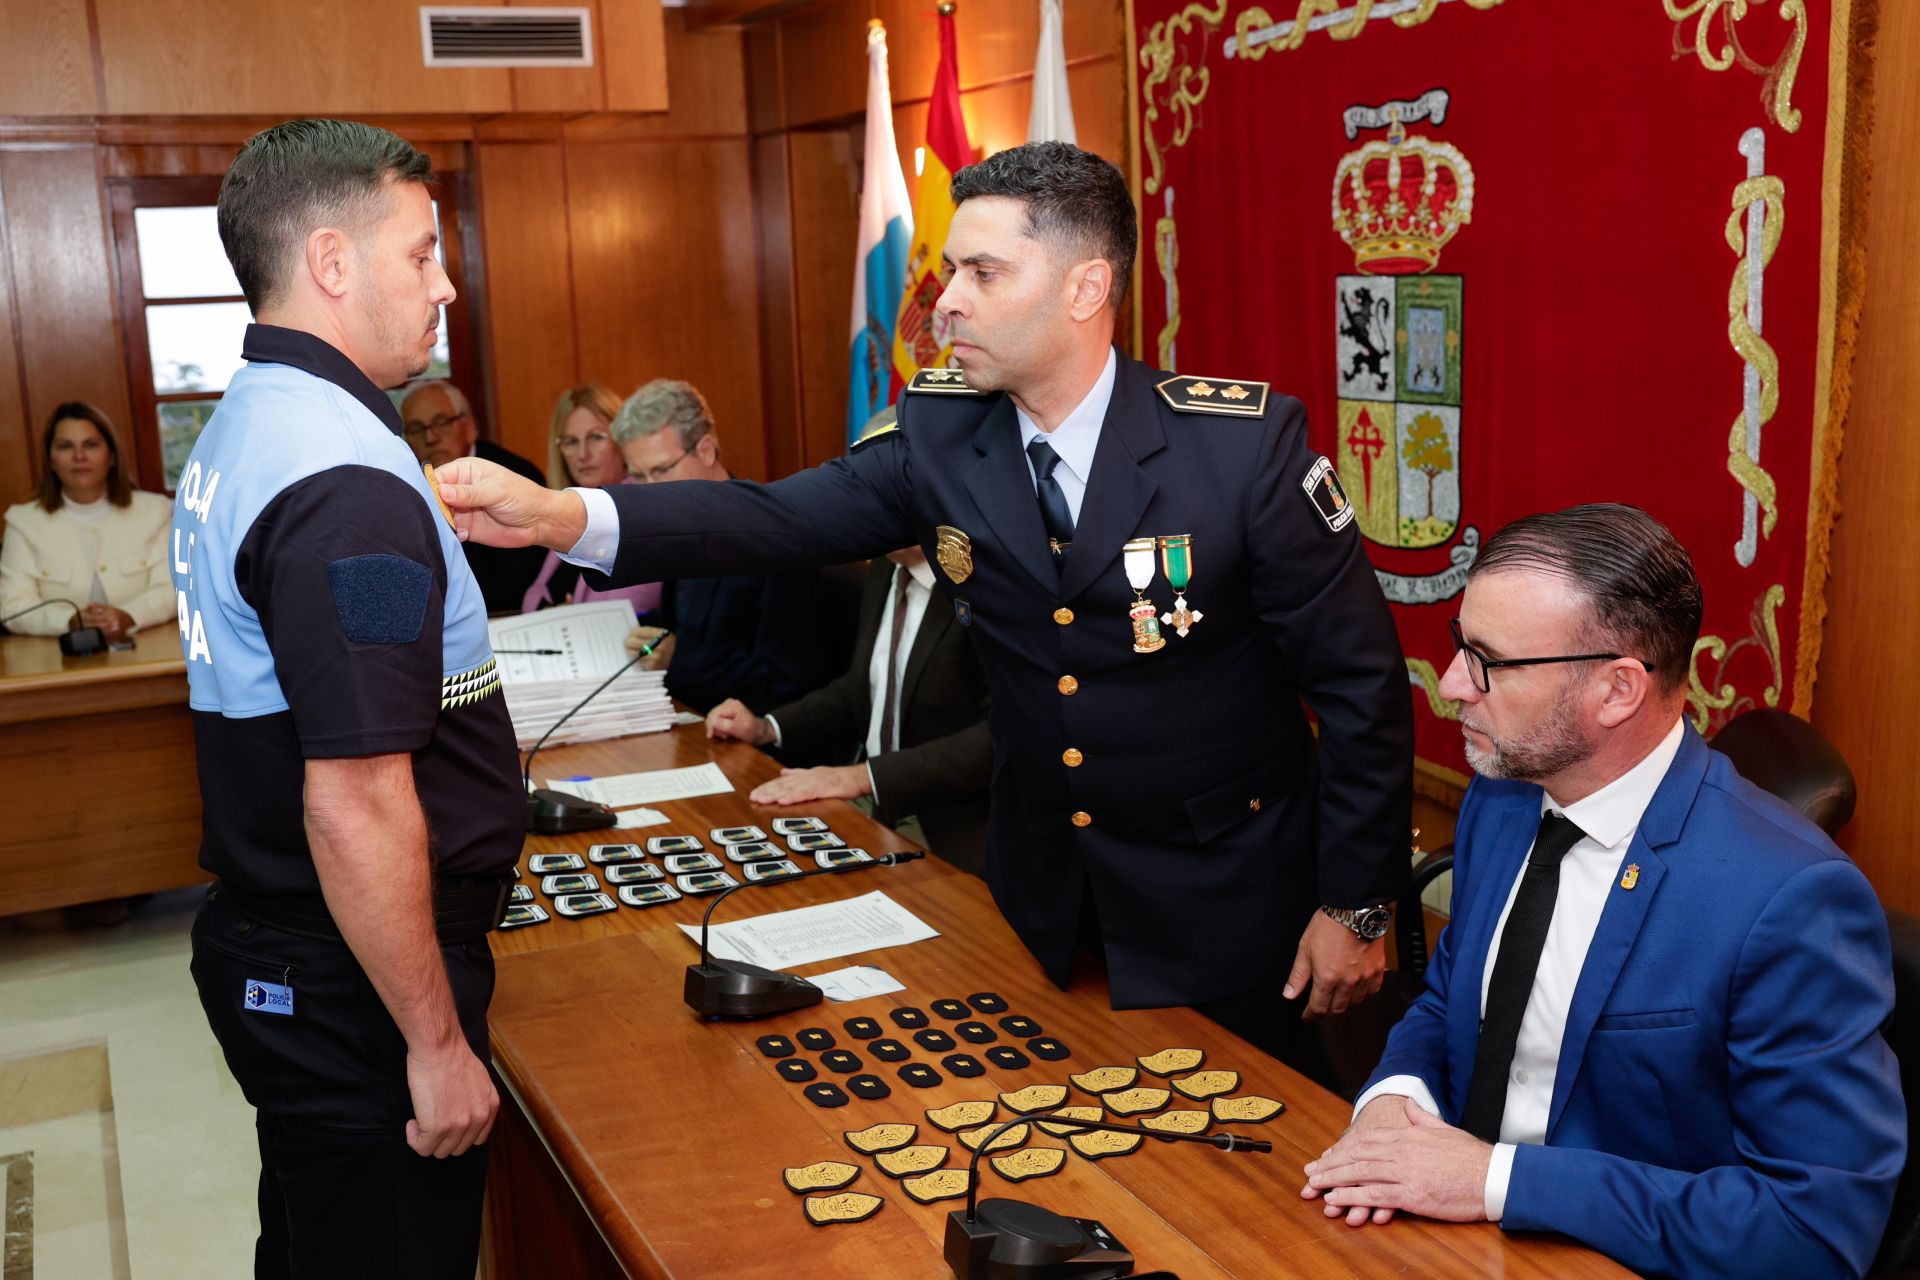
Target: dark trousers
(341, 1193)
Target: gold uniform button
(1069, 686)
(1253, 805)
(1063, 616)
(1082, 819)
(1072, 757)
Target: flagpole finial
(946, 8)
(874, 24)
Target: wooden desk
(99, 795)
(670, 1133)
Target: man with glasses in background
(440, 425)
(763, 638)
(1655, 1015)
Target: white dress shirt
(1609, 817)
(1075, 439)
(919, 594)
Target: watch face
(1373, 922)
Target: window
(183, 314)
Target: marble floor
(140, 1149)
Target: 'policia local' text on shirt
(326, 611)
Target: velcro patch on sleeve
(382, 599)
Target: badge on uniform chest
(1176, 552)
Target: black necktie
(890, 704)
(1054, 512)
(1512, 983)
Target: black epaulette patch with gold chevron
(1236, 399)
(942, 382)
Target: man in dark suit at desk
(905, 726)
(765, 638)
(440, 425)
(1158, 792)
(1655, 1016)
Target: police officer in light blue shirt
(347, 717)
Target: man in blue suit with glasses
(1654, 1021)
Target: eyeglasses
(593, 441)
(432, 427)
(1480, 667)
(665, 469)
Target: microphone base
(1014, 1240)
(554, 813)
(83, 641)
(733, 991)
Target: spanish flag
(919, 339)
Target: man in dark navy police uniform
(361, 801)
(1157, 788)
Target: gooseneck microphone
(75, 642)
(735, 991)
(1014, 1240)
(550, 812)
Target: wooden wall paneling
(46, 59)
(237, 57)
(779, 330)
(765, 109)
(665, 275)
(826, 227)
(1869, 688)
(63, 283)
(636, 41)
(709, 75)
(17, 443)
(520, 190)
(823, 60)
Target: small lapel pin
(1631, 876)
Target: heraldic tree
(1427, 451)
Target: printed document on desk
(655, 786)
(823, 932)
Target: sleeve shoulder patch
(381, 599)
(1229, 397)
(1324, 494)
(941, 382)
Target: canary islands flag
(920, 339)
(880, 259)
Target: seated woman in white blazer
(87, 545)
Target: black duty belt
(465, 908)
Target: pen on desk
(541, 653)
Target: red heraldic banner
(1515, 255)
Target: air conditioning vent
(495, 37)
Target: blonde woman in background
(87, 550)
(581, 453)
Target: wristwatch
(1369, 924)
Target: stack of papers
(589, 641)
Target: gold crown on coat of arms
(1397, 202)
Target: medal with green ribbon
(1176, 554)
(1137, 557)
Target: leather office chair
(1900, 1247)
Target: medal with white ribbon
(1137, 556)
(1176, 556)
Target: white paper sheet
(591, 638)
(823, 932)
(857, 982)
(631, 818)
(624, 790)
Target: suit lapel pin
(1631, 876)
(1176, 556)
(1137, 556)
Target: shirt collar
(1078, 434)
(271, 344)
(921, 572)
(1613, 813)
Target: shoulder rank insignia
(885, 431)
(1241, 399)
(942, 382)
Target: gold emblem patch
(954, 549)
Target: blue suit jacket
(1725, 1103)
